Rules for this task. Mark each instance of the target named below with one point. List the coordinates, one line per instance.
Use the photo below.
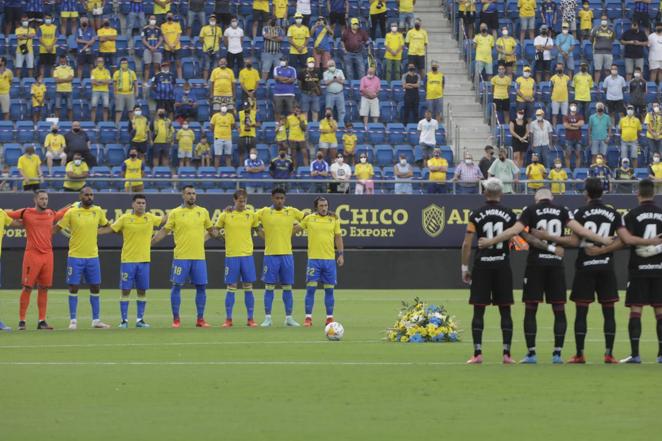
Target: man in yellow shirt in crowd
(139, 130)
(100, 89)
(63, 75)
(222, 124)
(484, 42)
(163, 132)
(29, 165)
(24, 52)
(585, 20)
(280, 12)
(535, 172)
(54, 145)
(560, 94)
(434, 92)
(328, 139)
(125, 84)
(653, 123)
(47, 33)
(260, 15)
(630, 127)
(133, 169)
(249, 78)
(298, 36)
(76, 172)
(525, 92)
(582, 82)
(172, 45)
(6, 76)
(501, 91)
(107, 47)
(527, 17)
(296, 136)
(558, 175)
(247, 135)
(185, 138)
(222, 86)
(417, 45)
(406, 14)
(364, 172)
(38, 93)
(211, 35)
(506, 46)
(395, 44)
(438, 166)
(161, 8)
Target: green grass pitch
(292, 384)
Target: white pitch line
(248, 363)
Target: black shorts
(86, 58)
(167, 105)
(30, 187)
(140, 146)
(246, 143)
(642, 291)
(491, 19)
(159, 149)
(588, 283)
(260, 16)
(615, 106)
(337, 18)
(548, 280)
(417, 60)
(469, 19)
(502, 105)
(172, 56)
(492, 286)
(298, 146)
(642, 18)
(543, 65)
(13, 14)
(46, 59)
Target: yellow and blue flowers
(421, 323)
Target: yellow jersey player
(188, 224)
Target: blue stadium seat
(115, 154)
(11, 154)
(376, 133)
(91, 130)
(7, 131)
(107, 132)
(396, 133)
(100, 172)
(161, 173)
(25, 132)
(406, 150)
(207, 173)
(384, 155)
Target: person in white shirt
(543, 43)
(427, 128)
(303, 6)
(655, 54)
(340, 172)
(403, 172)
(233, 38)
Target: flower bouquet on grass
(421, 323)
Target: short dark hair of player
(39, 191)
(593, 187)
(646, 189)
(139, 196)
(186, 187)
(278, 190)
(318, 200)
(239, 193)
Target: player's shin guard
(229, 302)
(268, 298)
(23, 304)
(95, 303)
(609, 327)
(124, 307)
(249, 301)
(560, 327)
(175, 300)
(477, 325)
(288, 300)
(73, 305)
(580, 327)
(506, 328)
(329, 300)
(658, 317)
(310, 297)
(42, 303)
(634, 330)
(530, 327)
(141, 304)
(200, 300)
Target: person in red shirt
(38, 258)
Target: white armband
(465, 269)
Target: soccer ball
(334, 331)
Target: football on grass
(334, 331)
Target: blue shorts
(85, 270)
(185, 270)
(278, 269)
(134, 275)
(321, 270)
(239, 269)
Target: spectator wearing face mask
(260, 15)
(377, 18)
(284, 90)
(248, 124)
(630, 127)
(599, 131)
(172, 43)
(152, 39)
(558, 176)
(541, 136)
(281, 133)
(489, 15)
(638, 90)
(29, 166)
(107, 47)
(309, 83)
(185, 138)
(76, 172)
(486, 161)
(222, 87)
(203, 151)
(54, 145)
(253, 165)
(467, 176)
(519, 130)
(506, 47)
(560, 93)
(139, 130)
(163, 85)
(334, 79)
(467, 10)
(602, 38)
(505, 170)
(322, 38)
(525, 91)
(77, 141)
(6, 77)
(599, 169)
(565, 44)
(233, 37)
(349, 141)
(273, 35)
(364, 174)
(543, 44)
(249, 79)
(394, 44)
(161, 9)
(328, 139)
(573, 123)
(24, 51)
(434, 92)
(353, 41)
(125, 88)
(47, 33)
(341, 173)
(484, 43)
(297, 124)
(568, 10)
(369, 89)
(613, 87)
(527, 18)
(501, 93)
(655, 172)
(624, 173)
(403, 173)
(162, 131)
(101, 81)
(634, 40)
(85, 39)
(585, 15)
(221, 125)
(133, 170)
(653, 123)
(185, 105)
(427, 138)
(655, 54)
(582, 83)
(437, 166)
(319, 169)
(535, 172)
(281, 167)
(135, 18)
(211, 36)
(298, 36)
(411, 82)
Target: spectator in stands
(549, 13)
(298, 35)
(211, 35)
(573, 123)
(152, 39)
(125, 88)
(162, 131)
(303, 8)
(349, 141)
(560, 95)
(234, 38)
(133, 169)
(248, 124)
(640, 14)
(527, 18)
(85, 39)
(484, 43)
(624, 173)
(638, 90)
(107, 36)
(535, 172)
(341, 173)
(655, 54)
(260, 15)
(163, 85)
(633, 40)
(568, 11)
(427, 139)
(585, 21)
(38, 95)
(655, 172)
(411, 82)
(296, 135)
(76, 172)
(599, 169)
(196, 10)
(434, 92)
(185, 138)
(406, 14)
(6, 77)
(506, 46)
(334, 80)
(273, 35)
(281, 167)
(565, 44)
(630, 127)
(139, 130)
(309, 84)
(254, 166)
(29, 165)
(653, 123)
(364, 172)
(438, 166)
(185, 106)
(203, 151)
(599, 131)
(24, 51)
(222, 11)
(519, 130)
(221, 125)
(501, 92)
(283, 92)
(417, 46)
(135, 19)
(13, 10)
(69, 16)
(486, 161)
(161, 9)
(602, 38)
(394, 45)
(55, 145)
(249, 79)
(172, 44)
(338, 11)
(353, 41)
(490, 16)
(101, 80)
(369, 89)
(582, 83)
(543, 44)
(525, 91)
(47, 45)
(222, 87)
(467, 10)
(467, 175)
(322, 36)
(557, 175)
(63, 75)
(541, 136)
(328, 138)
(403, 173)
(377, 18)
(505, 170)
(281, 133)
(319, 169)
(613, 87)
